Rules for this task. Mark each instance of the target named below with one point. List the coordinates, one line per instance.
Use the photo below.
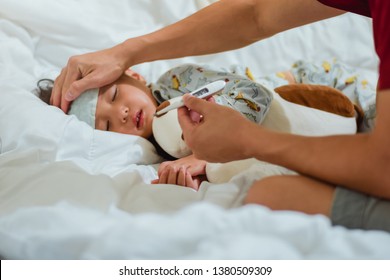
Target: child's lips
(138, 119)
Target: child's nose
(124, 113)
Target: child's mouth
(138, 119)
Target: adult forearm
(224, 25)
(210, 30)
(352, 161)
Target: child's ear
(135, 75)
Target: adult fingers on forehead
(55, 98)
(70, 89)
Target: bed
(70, 192)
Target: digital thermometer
(203, 92)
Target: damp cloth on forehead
(84, 107)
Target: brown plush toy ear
(322, 98)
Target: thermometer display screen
(201, 92)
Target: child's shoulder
(235, 71)
(185, 67)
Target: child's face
(126, 106)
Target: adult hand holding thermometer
(203, 92)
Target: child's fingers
(181, 177)
(172, 176)
(191, 182)
(163, 178)
(164, 165)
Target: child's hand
(188, 172)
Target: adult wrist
(261, 143)
(131, 52)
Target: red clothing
(379, 11)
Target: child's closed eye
(112, 100)
(115, 94)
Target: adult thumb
(195, 104)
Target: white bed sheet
(69, 192)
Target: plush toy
(312, 110)
(168, 134)
(323, 98)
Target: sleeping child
(128, 105)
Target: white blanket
(70, 192)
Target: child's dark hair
(44, 89)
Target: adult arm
(360, 162)
(212, 29)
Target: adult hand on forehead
(220, 135)
(83, 72)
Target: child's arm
(188, 172)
